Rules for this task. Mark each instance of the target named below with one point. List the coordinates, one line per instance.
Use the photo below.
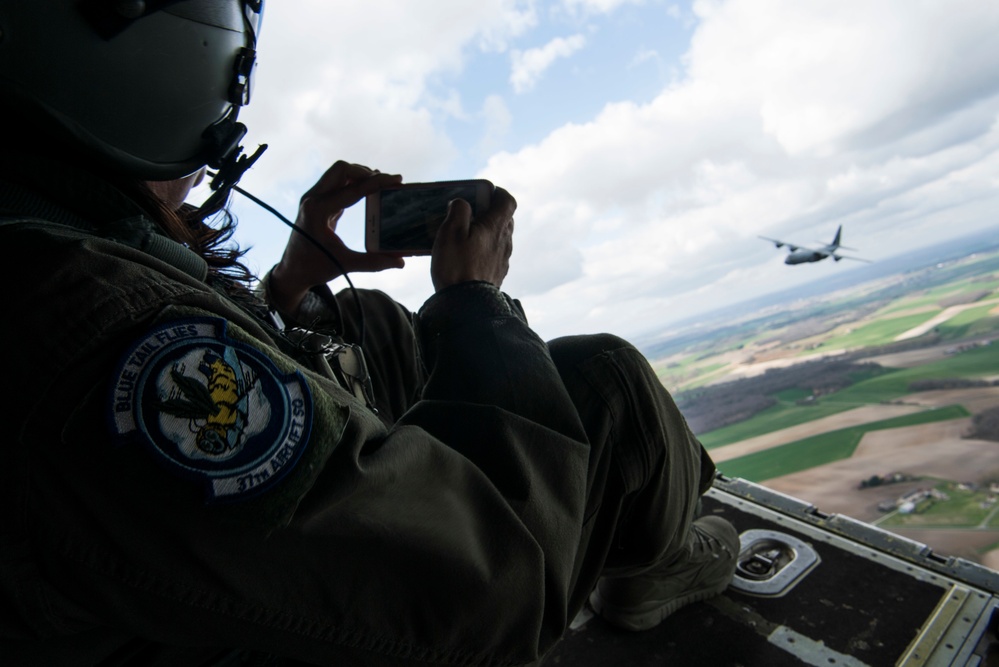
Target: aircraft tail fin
(835, 241)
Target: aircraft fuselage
(801, 257)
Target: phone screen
(411, 217)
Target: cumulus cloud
(351, 80)
(527, 67)
(792, 118)
(829, 73)
(644, 56)
(787, 119)
(498, 120)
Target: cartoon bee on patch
(216, 408)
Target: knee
(610, 362)
(570, 351)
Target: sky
(648, 143)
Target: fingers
(499, 217)
(502, 204)
(365, 262)
(340, 187)
(457, 223)
(350, 182)
(339, 175)
(473, 249)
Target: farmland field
(882, 388)
(818, 444)
(826, 447)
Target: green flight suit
(464, 523)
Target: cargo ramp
(812, 589)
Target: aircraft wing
(794, 246)
(857, 259)
(780, 244)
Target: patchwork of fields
(820, 448)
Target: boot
(703, 569)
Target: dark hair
(208, 232)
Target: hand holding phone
(474, 248)
(403, 219)
(302, 265)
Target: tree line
(715, 406)
(985, 425)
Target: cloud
(787, 119)
(529, 66)
(792, 118)
(644, 56)
(353, 81)
(498, 121)
(822, 73)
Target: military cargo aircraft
(801, 254)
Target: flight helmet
(151, 88)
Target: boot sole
(649, 614)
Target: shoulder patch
(211, 408)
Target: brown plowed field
(930, 450)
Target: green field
(782, 415)
(911, 303)
(880, 332)
(974, 363)
(972, 322)
(963, 508)
(793, 395)
(825, 448)
(879, 314)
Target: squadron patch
(211, 408)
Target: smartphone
(403, 220)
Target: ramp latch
(770, 563)
(765, 563)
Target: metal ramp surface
(812, 589)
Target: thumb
(365, 262)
